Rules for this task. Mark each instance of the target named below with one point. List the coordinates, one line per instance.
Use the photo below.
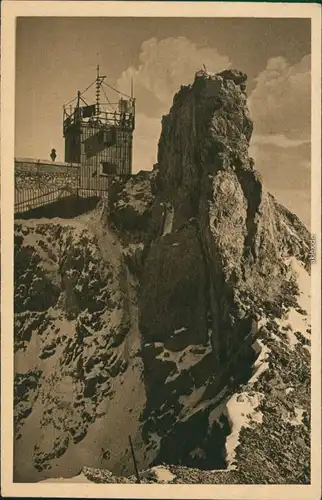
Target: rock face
(177, 312)
(76, 341)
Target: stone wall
(39, 182)
(37, 174)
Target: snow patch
(304, 283)
(275, 337)
(163, 474)
(295, 321)
(168, 219)
(241, 409)
(262, 322)
(80, 478)
(296, 419)
(292, 339)
(290, 230)
(184, 359)
(261, 364)
(216, 413)
(180, 330)
(191, 401)
(131, 248)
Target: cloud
(297, 201)
(164, 65)
(279, 140)
(146, 137)
(283, 167)
(286, 173)
(280, 106)
(280, 103)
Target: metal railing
(38, 184)
(26, 199)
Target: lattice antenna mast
(99, 80)
(98, 89)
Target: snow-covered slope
(74, 351)
(177, 312)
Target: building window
(108, 168)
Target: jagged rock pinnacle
(160, 314)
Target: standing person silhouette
(53, 154)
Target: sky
(55, 57)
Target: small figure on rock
(53, 154)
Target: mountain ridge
(169, 313)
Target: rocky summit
(176, 312)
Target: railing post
(134, 461)
(38, 174)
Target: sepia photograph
(161, 210)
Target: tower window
(108, 168)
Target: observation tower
(99, 135)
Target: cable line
(83, 92)
(111, 107)
(115, 90)
(88, 87)
(69, 102)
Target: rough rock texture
(177, 312)
(76, 326)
